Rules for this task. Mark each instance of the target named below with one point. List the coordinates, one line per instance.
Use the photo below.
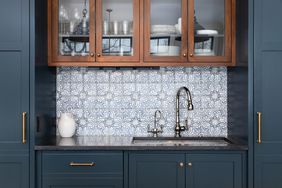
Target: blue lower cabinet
(14, 170)
(63, 169)
(219, 170)
(268, 170)
(156, 170)
(214, 170)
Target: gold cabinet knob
(191, 55)
(92, 54)
(98, 55)
(181, 164)
(184, 55)
(190, 164)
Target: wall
(123, 102)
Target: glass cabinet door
(165, 30)
(117, 27)
(210, 30)
(73, 30)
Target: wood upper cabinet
(71, 32)
(212, 32)
(141, 32)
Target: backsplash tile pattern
(123, 102)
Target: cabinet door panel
(14, 16)
(268, 171)
(14, 171)
(14, 99)
(268, 26)
(156, 171)
(267, 93)
(218, 170)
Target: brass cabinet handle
(98, 55)
(82, 164)
(259, 114)
(92, 54)
(190, 164)
(24, 127)
(181, 165)
(184, 55)
(191, 55)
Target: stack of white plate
(163, 29)
(207, 32)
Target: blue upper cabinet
(267, 93)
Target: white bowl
(207, 32)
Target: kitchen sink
(182, 141)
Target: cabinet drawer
(107, 163)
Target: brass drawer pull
(82, 164)
(259, 127)
(24, 127)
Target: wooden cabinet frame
(230, 37)
(141, 39)
(54, 59)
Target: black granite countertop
(126, 143)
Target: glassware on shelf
(117, 39)
(73, 28)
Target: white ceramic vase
(66, 125)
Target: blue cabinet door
(14, 72)
(267, 93)
(214, 170)
(14, 170)
(156, 170)
(14, 93)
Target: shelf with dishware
(141, 33)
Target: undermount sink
(182, 141)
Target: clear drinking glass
(117, 28)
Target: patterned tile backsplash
(123, 102)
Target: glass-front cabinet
(210, 31)
(165, 30)
(141, 32)
(73, 34)
(117, 30)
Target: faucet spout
(178, 127)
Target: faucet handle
(155, 131)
